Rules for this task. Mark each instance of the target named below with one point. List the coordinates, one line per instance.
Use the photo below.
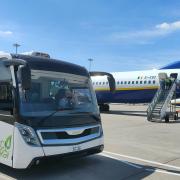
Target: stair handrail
(153, 103)
(168, 99)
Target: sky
(119, 35)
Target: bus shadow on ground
(93, 167)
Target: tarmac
(134, 149)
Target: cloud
(169, 26)
(140, 36)
(5, 33)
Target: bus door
(6, 116)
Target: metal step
(156, 111)
(156, 120)
(158, 108)
(160, 103)
(156, 114)
(155, 117)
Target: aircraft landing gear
(104, 107)
(167, 118)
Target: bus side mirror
(25, 76)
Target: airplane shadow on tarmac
(95, 167)
(127, 113)
(138, 113)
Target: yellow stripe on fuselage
(128, 88)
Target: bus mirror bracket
(110, 77)
(25, 75)
(24, 70)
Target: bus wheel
(167, 118)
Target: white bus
(47, 108)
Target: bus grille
(68, 135)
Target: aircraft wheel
(104, 107)
(175, 117)
(167, 118)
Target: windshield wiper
(81, 112)
(50, 115)
(96, 117)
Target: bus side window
(6, 105)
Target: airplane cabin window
(121, 82)
(132, 82)
(145, 82)
(103, 83)
(125, 82)
(117, 82)
(149, 82)
(107, 83)
(129, 82)
(99, 83)
(154, 82)
(140, 82)
(96, 83)
(136, 82)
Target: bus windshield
(54, 91)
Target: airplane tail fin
(174, 65)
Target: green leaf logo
(7, 142)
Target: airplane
(131, 87)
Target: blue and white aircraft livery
(133, 86)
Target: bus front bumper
(77, 154)
(25, 155)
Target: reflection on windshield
(48, 94)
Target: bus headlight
(28, 134)
(101, 130)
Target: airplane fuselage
(131, 87)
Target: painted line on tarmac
(139, 167)
(162, 171)
(125, 162)
(143, 160)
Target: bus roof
(40, 63)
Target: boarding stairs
(160, 108)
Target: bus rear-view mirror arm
(111, 80)
(24, 71)
(14, 62)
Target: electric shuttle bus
(47, 108)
